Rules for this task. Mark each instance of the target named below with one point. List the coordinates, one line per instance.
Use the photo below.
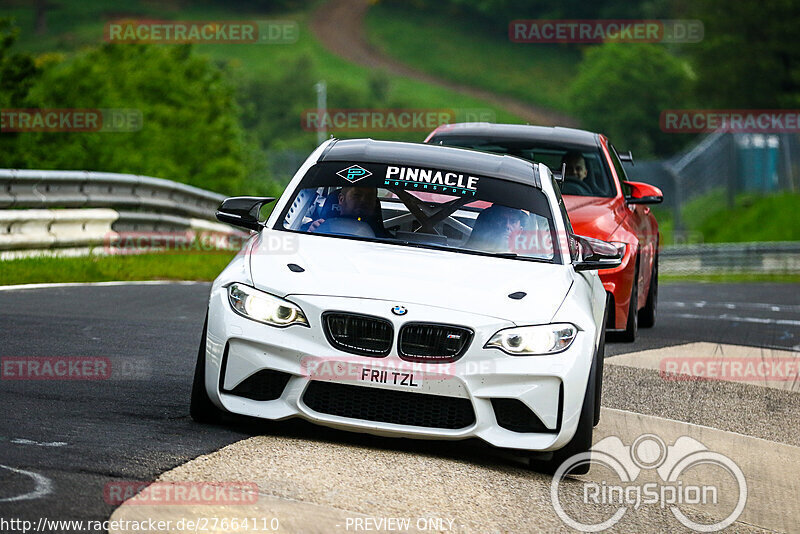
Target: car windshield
(586, 174)
(423, 207)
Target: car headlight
(529, 340)
(263, 307)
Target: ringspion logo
(680, 477)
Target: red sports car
(601, 203)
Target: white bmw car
(412, 290)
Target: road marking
(23, 441)
(44, 486)
(733, 305)
(102, 284)
(735, 319)
(714, 356)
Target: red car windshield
(586, 174)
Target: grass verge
(709, 219)
(206, 267)
(730, 278)
(752, 218)
(466, 51)
(199, 267)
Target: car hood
(409, 275)
(596, 217)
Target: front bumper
(551, 387)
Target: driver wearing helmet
(495, 227)
(358, 203)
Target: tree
(621, 90)
(190, 128)
(18, 73)
(749, 57)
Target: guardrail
(83, 189)
(71, 212)
(780, 257)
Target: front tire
(201, 408)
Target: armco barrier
(780, 257)
(82, 189)
(72, 212)
(42, 229)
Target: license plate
(387, 376)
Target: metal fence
(725, 162)
(731, 258)
(82, 189)
(73, 211)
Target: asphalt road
(81, 435)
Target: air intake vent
(514, 415)
(389, 406)
(358, 334)
(433, 343)
(264, 385)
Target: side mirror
(595, 254)
(642, 193)
(242, 211)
